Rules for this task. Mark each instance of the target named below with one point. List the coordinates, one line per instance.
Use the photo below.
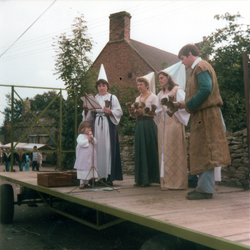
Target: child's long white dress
(84, 158)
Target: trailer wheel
(6, 204)
(167, 242)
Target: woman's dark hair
(83, 125)
(101, 81)
(171, 83)
(142, 79)
(188, 48)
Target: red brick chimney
(119, 27)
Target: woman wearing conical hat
(171, 131)
(146, 145)
(105, 131)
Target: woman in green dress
(146, 143)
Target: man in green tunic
(208, 144)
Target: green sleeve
(206, 85)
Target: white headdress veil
(151, 80)
(178, 72)
(102, 74)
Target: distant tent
(28, 146)
(19, 145)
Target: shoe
(81, 187)
(191, 192)
(109, 183)
(199, 196)
(164, 189)
(101, 183)
(138, 184)
(144, 185)
(97, 183)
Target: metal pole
(60, 146)
(75, 118)
(11, 129)
(247, 100)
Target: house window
(130, 75)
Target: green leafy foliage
(164, 65)
(41, 101)
(17, 111)
(48, 100)
(72, 61)
(68, 132)
(125, 94)
(225, 47)
(38, 103)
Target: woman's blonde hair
(142, 79)
(82, 126)
(171, 83)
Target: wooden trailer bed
(219, 223)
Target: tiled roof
(153, 56)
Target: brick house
(125, 59)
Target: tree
(73, 66)
(72, 61)
(38, 103)
(17, 104)
(226, 46)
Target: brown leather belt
(144, 118)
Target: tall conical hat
(102, 74)
(178, 72)
(150, 78)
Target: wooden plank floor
(227, 215)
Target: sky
(27, 29)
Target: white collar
(195, 62)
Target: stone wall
(237, 174)
(127, 154)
